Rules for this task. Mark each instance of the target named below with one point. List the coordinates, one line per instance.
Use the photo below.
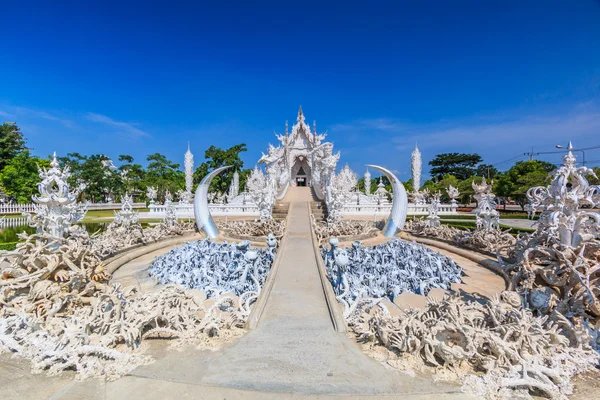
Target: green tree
(133, 176)
(460, 165)
(430, 185)
(487, 170)
(19, 178)
(12, 143)
(515, 182)
(99, 180)
(164, 174)
(215, 158)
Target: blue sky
(494, 78)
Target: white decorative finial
(187, 195)
(300, 115)
(416, 166)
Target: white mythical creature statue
(324, 163)
(262, 192)
(487, 216)
(433, 220)
(126, 216)
(168, 197)
(339, 192)
(453, 193)
(151, 193)
(56, 206)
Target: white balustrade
(386, 208)
(187, 210)
(13, 222)
(10, 208)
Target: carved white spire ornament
(189, 174)
(562, 201)
(56, 205)
(416, 166)
(234, 188)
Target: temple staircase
(296, 194)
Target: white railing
(12, 222)
(187, 210)
(7, 209)
(15, 208)
(385, 209)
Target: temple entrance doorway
(301, 177)
(301, 173)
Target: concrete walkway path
(294, 349)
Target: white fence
(382, 210)
(12, 222)
(187, 210)
(15, 208)
(7, 209)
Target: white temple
(301, 159)
(304, 159)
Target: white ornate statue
(381, 192)
(126, 216)
(562, 201)
(261, 191)
(433, 220)
(453, 193)
(151, 193)
(339, 192)
(234, 188)
(168, 197)
(416, 167)
(488, 217)
(56, 206)
(188, 196)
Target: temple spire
(286, 128)
(300, 115)
(315, 127)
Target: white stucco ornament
(562, 203)
(56, 205)
(487, 216)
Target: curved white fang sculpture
(203, 219)
(399, 204)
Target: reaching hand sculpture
(399, 205)
(203, 219)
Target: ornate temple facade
(301, 159)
